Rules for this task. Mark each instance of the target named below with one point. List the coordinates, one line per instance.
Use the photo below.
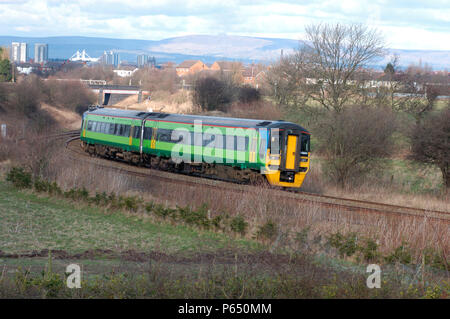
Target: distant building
(40, 53)
(19, 52)
(252, 75)
(190, 67)
(125, 71)
(26, 68)
(226, 66)
(111, 58)
(144, 60)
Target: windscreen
(305, 146)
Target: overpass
(105, 91)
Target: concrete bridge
(106, 91)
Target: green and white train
(243, 150)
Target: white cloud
(406, 24)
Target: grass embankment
(124, 256)
(31, 222)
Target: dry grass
(64, 118)
(161, 101)
(290, 216)
(405, 185)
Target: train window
(241, 143)
(137, 132)
(164, 135)
(119, 130)
(112, 128)
(148, 133)
(305, 147)
(262, 145)
(197, 139)
(102, 127)
(126, 131)
(89, 126)
(94, 126)
(275, 142)
(208, 140)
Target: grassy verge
(31, 222)
(123, 255)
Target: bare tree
(327, 62)
(287, 79)
(431, 142)
(353, 140)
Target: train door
(154, 134)
(290, 151)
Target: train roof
(207, 120)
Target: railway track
(342, 204)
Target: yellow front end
(272, 169)
(273, 173)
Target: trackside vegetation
(181, 252)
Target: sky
(405, 24)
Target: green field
(123, 255)
(31, 222)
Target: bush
(248, 94)
(77, 194)
(346, 245)
(19, 177)
(353, 141)
(239, 225)
(401, 254)
(71, 95)
(27, 95)
(212, 94)
(267, 231)
(197, 217)
(431, 142)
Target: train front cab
(288, 157)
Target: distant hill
(208, 48)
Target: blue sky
(405, 24)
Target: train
(251, 151)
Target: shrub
(354, 140)
(19, 177)
(77, 194)
(267, 231)
(248, 94)
(132, 203)
(401, 254)
(345, 244)
(100, 199)
(239, 225)
(71, 95)
(369, 251)
(197, 217)
(212, 94)
(431, 142)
